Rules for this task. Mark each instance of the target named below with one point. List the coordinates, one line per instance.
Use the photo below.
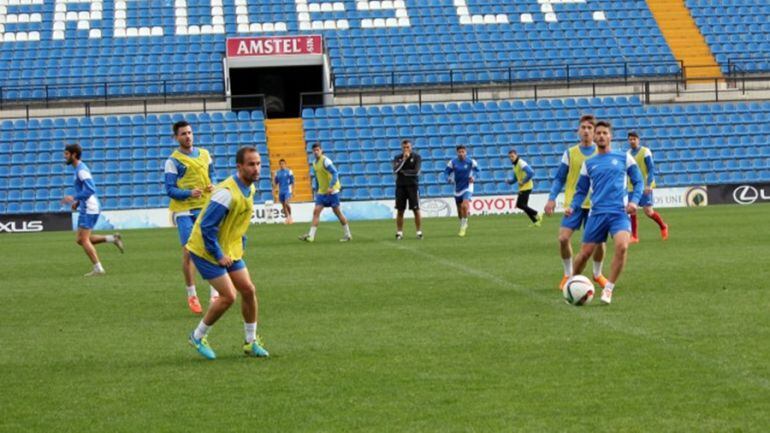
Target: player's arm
(329, 165)
(212, 176)
(313, 178)
(475, 170)
(650, 170)
(583, 186)
(448, 170)
(559, 178)
(171, 176)
(216, 210)
(89, 188)
(529, 173)
(291, 181)
(633, 172)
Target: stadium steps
(286, 140)
(685, 40)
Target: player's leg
(465, 206)
(287, 209)
(586, 251)
(522, 202)
(310, 236)
(414, 205)
(565, 251)
(347, 236)
(83, 238)
(651, 214)
(621, 234)
(596, 230)
(184, 226)
(226, 289)
(239, 275)
(598, 256)
(400, 208)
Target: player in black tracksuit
(406, 166)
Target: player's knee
(249, 291)
(563, 239)
(648, 211)
(227, 299)
(621, 248)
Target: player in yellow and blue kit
(327, 186)
(462, 171)
(522, 176)
(605, 176)
(643, 157)
(217, 245)
(84, 200)
(567, 176)
(284, 179)
(189, 180)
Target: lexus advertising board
(743, 194)
(35, 222)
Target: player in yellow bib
(189, 179)
(643, 157)
(217, 245)
(522, 176)
(328, 187)
(567, 176)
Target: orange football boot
(601, 281)
(194, 304)
(664, 232)
(563, 282)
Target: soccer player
(328, 187)
(407, 165)
(462, 171)
(217, 245)
(523, 175)
(567, 176)
(87, 204)
(284, 179)
(605, 176)
(643, 157)
(189, 177)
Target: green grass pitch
(440, 335)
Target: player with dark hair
(189, 181)
(522, 176)
(327, 182)
(643, 157)
(84, 200)
(217, 245)
(462, 171)
(567, 176)
(406, 166)
(605, 176)
(284, 180)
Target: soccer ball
(578, 291)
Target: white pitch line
(708, 361)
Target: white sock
(110, 238)
(311, 233)
(419, 232)
(400, 233)
(567, 266)
(250, 330)
(191, 291)
(346, 229)
(463, 222)
(213, 292)
(597, 269)
(610, 286)
(98, 267)
(201, 330)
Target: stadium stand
(126, 155)
(736, 31)
(116, 48)
(694, 144)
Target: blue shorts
(284, 196)
(576, 220)
(184, 225)
(327, 200)
(87, 220)
(209, 270)
(467, 195)
(601, 225)
(645, 201)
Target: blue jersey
(175, 170)
(284, 178)
(462, 170)
(85, 190)
(605, 176)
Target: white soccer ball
(578, 291)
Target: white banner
(438, 207)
